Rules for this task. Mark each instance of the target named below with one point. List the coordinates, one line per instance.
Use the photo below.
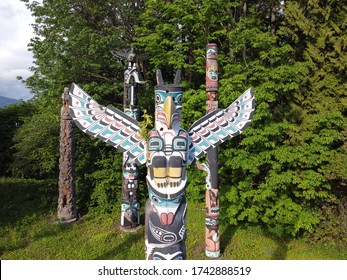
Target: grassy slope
(28, 231)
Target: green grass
(29, 231)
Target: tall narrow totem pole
(130, 216)
(67, 201)
(212, 237)
(166, 153)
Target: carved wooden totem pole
(212, 237)
(167, 152)
(67, 201)
(167, 156)
(130, 216)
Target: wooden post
(212, 238)
(67, 210)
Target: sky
(15, 59)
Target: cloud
(15, 59)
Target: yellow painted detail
(169, 109)
(175, 172)
(159, 172)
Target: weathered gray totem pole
(130, 216)
(67, 201)
(166, 153)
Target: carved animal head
(168, 103)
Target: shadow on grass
(226, 237)
(20, 198)
(128, 249)
(281, 251)
(252, 242)
(282, 242)
(29, 230)
(22, 202)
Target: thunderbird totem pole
(167, 151)
(130, 216)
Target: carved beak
(169, 109)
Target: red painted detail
(183, 133)
(203, 131)
(195, 136)
(166, 219)
(118, 125)
(128, 131)
(220, 121)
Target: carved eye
(158, 98)
(155, 144)
(155, 199)
(179, 99)
(180, 144)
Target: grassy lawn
(29, 231)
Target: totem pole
(130, 215)
(66, 202)
(166, 153)
(212, 237)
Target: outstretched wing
(220, 125)
(120, 55)
(108, 124)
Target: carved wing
(108, 124)
(220, 125)
(120, 55)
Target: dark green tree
(12, 117)
(317, 32)
(36, 140)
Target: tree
(73, 43)
(279, 176)
(12, 118)
(317, 29)
(36, 142)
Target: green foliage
(286, 172)
(37, 142)
(332, 228)
(107, 180)
(146, 125)
(12, 118)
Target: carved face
(168, 109)
(168, 104)
(164, 208)
(165, 235)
